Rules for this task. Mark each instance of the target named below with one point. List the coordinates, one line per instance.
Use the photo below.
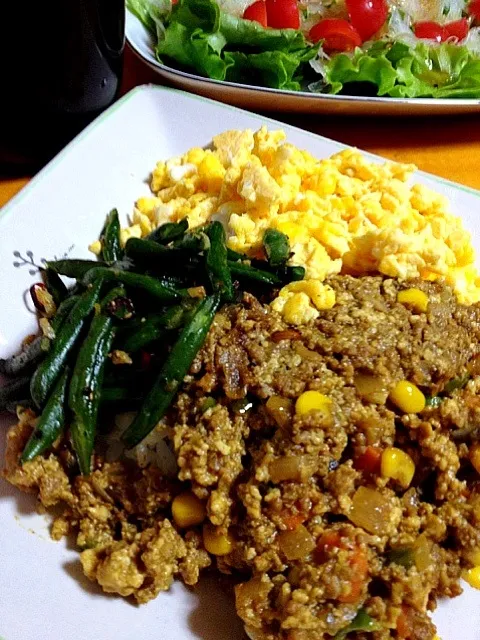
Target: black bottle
(61, 65)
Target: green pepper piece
(404, 556)
(433, 401)
(456, 383)
(361, 622)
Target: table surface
(446, 146)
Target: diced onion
(296, 468)
(371, 510)
(296, 544)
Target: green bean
(149, 285)
(114, 395)
(51, 422)
(153, 256)
(13, 391)
(87, 380)
(290, 274)
(277, 247)
(146, 251)
(50, 368)
(62, 312)
(27, 360)
(173, 371)
(217, 265)
(234, 256)
(74, 268)
(172, 318)
(110, 238)
(169, 231)
(150, 332)
(246, 272)
(55, 285)
(196, 242)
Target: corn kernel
(474, 455)
(398, 465)
(188, 510)
(414, 298)
(95, 247)
(312, 401)
(407, 397)
(472, 576)
(218, 544)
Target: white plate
(42, 592)
(264, 99)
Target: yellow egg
(341, 214)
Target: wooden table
(446, 146)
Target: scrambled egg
(342, 214)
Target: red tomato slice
(474, 9)
(337, 35)
(257, 12)
(367, 16)
(283, 14)
(457, 29)
(430, 31)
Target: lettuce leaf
(199, 36)
(151, 13)
(402, 71)
(268, 68)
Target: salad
(395, 48)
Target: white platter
(42, 593)
(264, 99)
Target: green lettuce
(198, 36)
(151, 13)
(402, 71)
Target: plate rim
(301, 95)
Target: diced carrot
(328, 541)
(369, 461)
(354, 594)
(359, 564)
(291, 521)
(404, 624)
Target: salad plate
(43, 592)
(257, 98)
